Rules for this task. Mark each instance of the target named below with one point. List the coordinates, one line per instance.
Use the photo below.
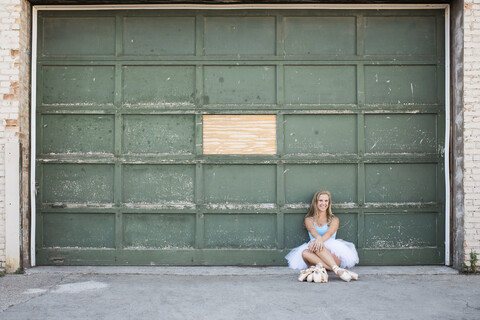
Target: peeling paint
(161, 205)
(399, 204)
(160, 104)
(240, 206)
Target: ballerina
(323, 249)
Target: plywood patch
(239, 134)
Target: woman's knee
(306, 254)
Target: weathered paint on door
(358, 99)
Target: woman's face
(322, 202)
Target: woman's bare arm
(317, 244)
(331, 229)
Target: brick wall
(472, 127)
(14, 90)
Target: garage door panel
(159, 85)
(317, 134)
(240, 84)
(78, 183)
(403, 230)
(410, 85)
(401, 133)
(75, 86)
(348, 228)
(242, 184)
(159, 36)
(320, 35)
(414, 35)
(301, 181)
(320, 85)
(295, 233)
(77, 134)
(239, 35)
(388, 257)
(401, 183)
(159, 184)
(159, 134)
(77, 36)
(78, 230)
(158, 231)
(240, 231)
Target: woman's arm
(331, 229)
(317, 244)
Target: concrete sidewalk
(426, 292)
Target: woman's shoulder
(335, 219)
(309, 218)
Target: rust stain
(9, 96)
(11, 124)
(14, 53)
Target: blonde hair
(313, 207)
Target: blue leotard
(321, 231)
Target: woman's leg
(332, 263)
(311, 259)
(327, 260)
(330, 259)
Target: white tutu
(344, 250)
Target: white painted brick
(10, 39)
(469, 237)
(468, 225)
(471, 126)
(9, 71)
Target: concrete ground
(424, 292)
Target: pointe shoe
(324, 275)
(317, 276)
(310, 277)
(354, 275)
(304, 274)
(320, 275)
(345, 276)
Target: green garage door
(357, 103)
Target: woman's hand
(316, 245)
